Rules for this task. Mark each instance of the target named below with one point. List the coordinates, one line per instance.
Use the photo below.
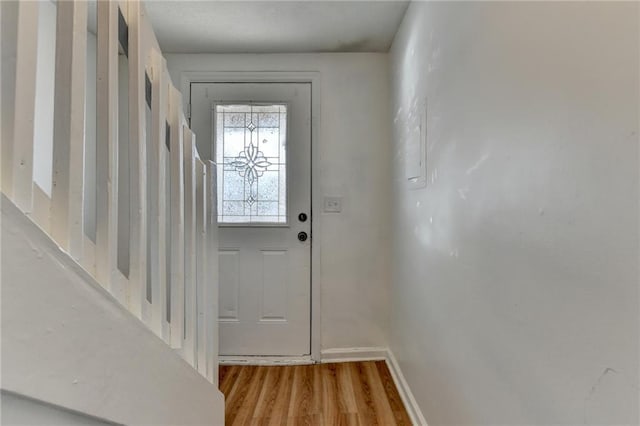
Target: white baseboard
(354, 354)
(415, 414)
(264, 360)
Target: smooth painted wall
(67, 342)
(18, 410)
(354, 133)
(90, 129)
(45, 88)
(514, 289)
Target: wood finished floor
(349, 393)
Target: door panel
(273, 305)
(229, 264)
(260, 136)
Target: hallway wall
(354, 133)
(515, 271)
(68, 344)
(45, 84)
(18, 410)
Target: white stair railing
(171, 284)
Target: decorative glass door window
(250, 146)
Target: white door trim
(313, 77)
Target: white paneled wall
(72, 116)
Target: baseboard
(353, 354)
(415, 414)
(327, 355)
(264, 360)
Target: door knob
(302, 236)
(302, 217)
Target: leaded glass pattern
(251, 142)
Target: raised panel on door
(229, 264)
(275, 266)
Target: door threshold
(265, 360)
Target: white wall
(45, 86)
(90, 161)
(515, 271)
(8, 34)
(18, 410)
(67, 342)
(124, 167)
(354, 137)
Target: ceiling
(275, 26)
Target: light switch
(332, 204)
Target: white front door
(260, 137)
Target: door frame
(313, 78)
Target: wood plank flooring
(349, 393)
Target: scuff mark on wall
(477, 165)
(609, 397)
(594, 388)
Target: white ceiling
(275, 26)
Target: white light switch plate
(332, 204)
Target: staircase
(128, 201)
